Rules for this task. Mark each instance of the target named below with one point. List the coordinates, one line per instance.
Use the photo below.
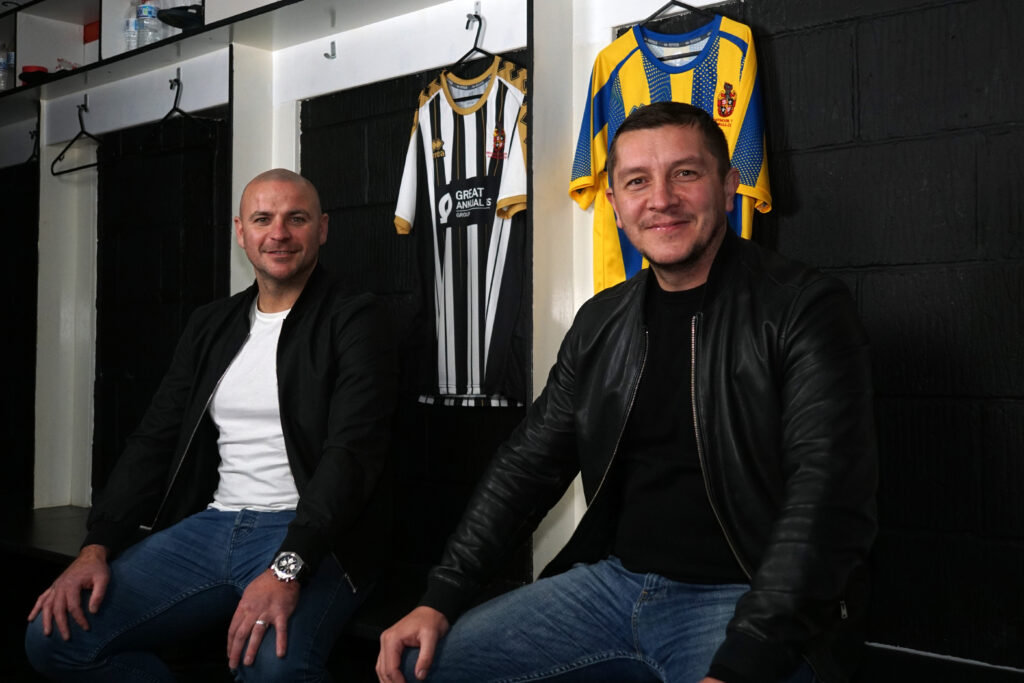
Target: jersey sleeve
(749, 157)
(405, 209)
(512, 193)
(583, 183)
(749, 153)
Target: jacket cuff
(309, 545)
(446, 596)
(115, 537)
(744, 659)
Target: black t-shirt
(665, 521)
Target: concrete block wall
(896, 134)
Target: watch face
(287, 566)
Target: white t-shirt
(254, 470)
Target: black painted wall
(19, 278)
(160, 255)
(896, 138)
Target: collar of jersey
(491, 71)
(641, 34)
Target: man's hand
(710, 680)
(270, 602)
(89, 571)
(423, 628)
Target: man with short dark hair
(718, 408)
(256, 471)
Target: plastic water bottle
(131, 27)
(168, 30)
(131, 34)
(149, 26)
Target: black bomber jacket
(783, 414)
(337, 379)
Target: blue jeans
(598, 622)
(180, 580)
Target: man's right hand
(423, 628)
(89, 571)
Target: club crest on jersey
(437, 145)
(498, 147)
(726, 100)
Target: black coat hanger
(676, 3)
(82, 133)
(476, 49)
(176, 110)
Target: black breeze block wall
(896, 140)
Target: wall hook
(34, 136)
(331, 54)
(176, 87)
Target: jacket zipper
(629, 409)
(188, 444)
(341, 568)
(700, 448)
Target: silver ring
(260, 622)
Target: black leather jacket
(783, 414)
(336, 374)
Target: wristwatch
(288, 566)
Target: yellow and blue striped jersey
(714, 68)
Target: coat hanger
(685, 53)
(176, 110)
(82, 133)
(676, 3)
(476, 49)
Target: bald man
(253, 480)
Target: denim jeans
(181, 580)
(598, 622)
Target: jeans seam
(646, 592)
(143, 618)
(307, 664)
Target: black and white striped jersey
(467, 152)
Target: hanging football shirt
(467, 153)
(714, 68)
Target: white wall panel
(139, 99)
(66, 331)
(430, 38)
